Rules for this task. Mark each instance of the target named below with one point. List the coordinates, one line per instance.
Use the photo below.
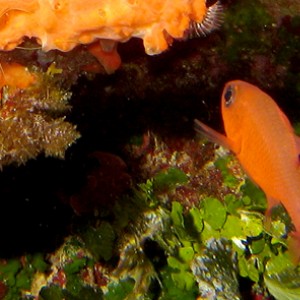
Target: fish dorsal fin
(297, 138)
(284, 118)
(212, 135)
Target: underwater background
(140, 206)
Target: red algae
(192, 157)
(105, 183)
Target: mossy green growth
(99, 240)
(9, 271)
(74, 260)
(55, 292)
(52, 292)
(46, 100)
(38, 262)
(74, 284)
(74, 266)
(246, 25)
(289, 44)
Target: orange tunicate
(64, 24)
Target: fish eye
(210, 3)
(229, 95)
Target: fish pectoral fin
(293, 247)
(268, 213)
(211, 134)
(271, 203)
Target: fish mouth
(212, 20)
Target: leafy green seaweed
(205, 247)
(55, 292)
(119, 290)
(18, 276)
(171, 290)
(100, 240)
(214, 212)
(282, 278)
(169, 179)
(253, 197)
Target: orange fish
(262, 138)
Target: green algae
(197, 219)
(172, 291)
(233, 203)
(99, 240)
(185, 234)
(56, 293)
(228, 178)
(282, 278)
(247, 25)
(214, 213)
(181, 273)
(119, 290)
(253, 197)
(18, 275)
(169, 179)
(53, 292)
(229, 232)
